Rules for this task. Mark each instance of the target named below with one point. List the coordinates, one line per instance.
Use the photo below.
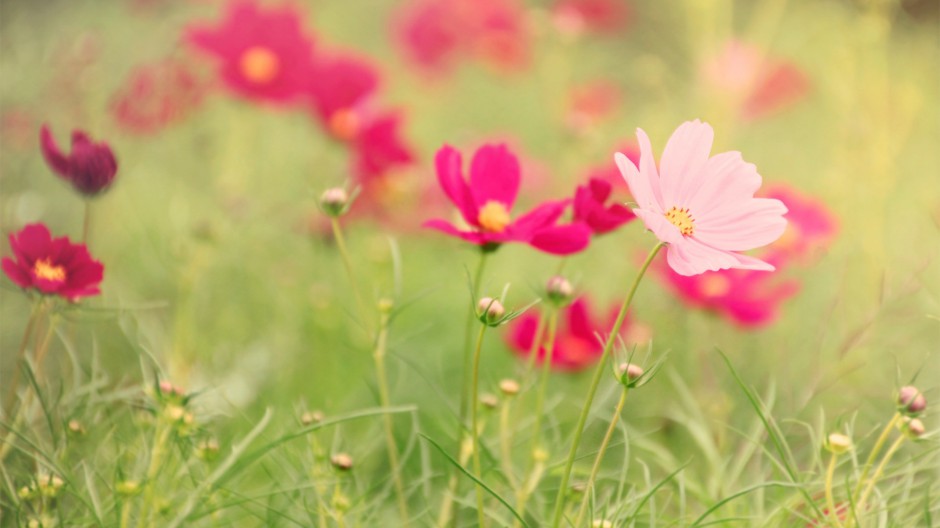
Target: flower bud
(837, 443)
(629, 373)
(90, 167)
(334, 201)
(912, 428)
(127, 488)
(490, 310)
(911, 400)
(76, 428)
(342, 461)
(490, 401)
(559, 290)
(385, 305)
(311, 417)
(510, 387)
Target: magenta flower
(811, 226)
(90, 167)
(264, 55)
(574, 17)
(379, 148)
(486, 203)
(748, 298)
(589, 207)
(702, 206)
(52, 266)
(340, 89)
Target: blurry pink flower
(485, 204)
(749, 298)
(90, 167)
(759, 84)
(703, 207)
(811, 226)
(264, 55)
(52, 266)
(499, 32)
(589, 207)
(576, 343)
(574, 17)
(591, 103)
(340, 88)
(378, 147)
(156, 95)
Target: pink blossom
(378, 147)
(590, 207)
(340, 90)
(811, 226)
(574, 17)
(486, 204)
(702, 206)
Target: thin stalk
(614, 420)
(380, 372)
(830, 502)
(44, 346)
(86, 222)
(156, 460)
(505, 442)
(536, 344)
(595, 382)
(875, 451)
(474, 433)
(125, 513)
(879, 471)
(347, 263)
(27, 333)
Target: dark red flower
(90, 167)
(264, 55)
(53, 266)
(340, 90)
(589, 207)
(156, 95)
(485, 204)
(576, 341)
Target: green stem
(614, 420)
(379, 355)
(878, 472)
(30, 326)
(474, 433)
(595, 382)
(505, 442)
(347, 263)
(875, 451)
(162, 434)
(86, 222)
(534, 347)
(830, 502)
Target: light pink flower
(702, 206)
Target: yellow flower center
(44, 269)
(681, 219)
(259, 64)
(493, 216)
(344, 124)
(715, 285)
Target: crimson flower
(340, 89)
(90, 167)
(486, 202)
(811, 226)
(53, 266)
(156, 95)
(264, 55)
(589, 207)
(576, 343)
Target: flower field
(453, 263)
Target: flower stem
(162, 436)
(505, 442)
(875, 451)
(27, 333)
(380, 372)
(595, 382)
(614, 420)
(878, 472)
(347, 263)
(474, 433)
(830, 502)
(86, 222)
(534, 347)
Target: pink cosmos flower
(52, 266)
(574, 17)
(748, 298)
(90, 167)
(340, 89)
(702, 206)
(156, 95)
(264, 55)
(486, 203)
(379, 148)
(590, 207)
(811, 226)
(576, 343)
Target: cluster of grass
(215, 283)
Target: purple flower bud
(90, 167)
(911, 400)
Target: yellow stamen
(344, 124)
(681, 219)
(715, 285)
(259, 64)
(44, 269)
(494, 216)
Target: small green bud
(837, 443)
(334, 201)
(490, 310)
(559, 290)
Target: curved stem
(86, 222)
(347, 263)
(830, 502)
(614, 420)
(875, 451)
(385, 400)
(595, 382)
(474, 433)
(878, 472)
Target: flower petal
(541, 216)
(657, 223)
(31, 243)
(756, 223)
(16, 274)
(57, 161)
(448, 164)
(447, 228)
(643, 181)
(691, 257)
(562, 240)
(494, 175)
(726, 179)
(681, 166)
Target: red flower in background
(591, 103)
(574, 17)
(576, 342)
(589, 207)
(264, 55)
(52, 266)
(90, 167)
(811, 226)
(378, 148)
(340, 88)
(156, 95)
(485, 204)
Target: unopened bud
(127, 488)
(311, 417)
(342, 461)
(334, 201)
(629, 373)
(539, 455)
(602, 523)
(559, 290)
(837, 443)
(510, 387)
(76, 428)
(385, 305)
(912, 428)
(911, 400)
(490, 310)
(490, 401)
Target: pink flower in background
(90, 167)
(486, 203)
(156, 95)
(749, 298)
(52, 266)
(263, 54)
(378, 147)
(760, 85)
(591, 103)
(811, 226)
(590, 207)
(702, 206)
(574, 17)
(576, 342)
(340, 89)
(499, 32)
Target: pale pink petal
(640, 186)
(756, 223)
(683, 160)
(648, 169)
(657, 223)
(726, 178)
(691, 257)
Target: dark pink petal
(57, 161)
(449, 174)
(470, 236)
(562, 240)
(494, 175)
(16, 273)
(341, 83)
(379, 148)
(522, 334)
(31, 243)
(542, 216)
(579, 320)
